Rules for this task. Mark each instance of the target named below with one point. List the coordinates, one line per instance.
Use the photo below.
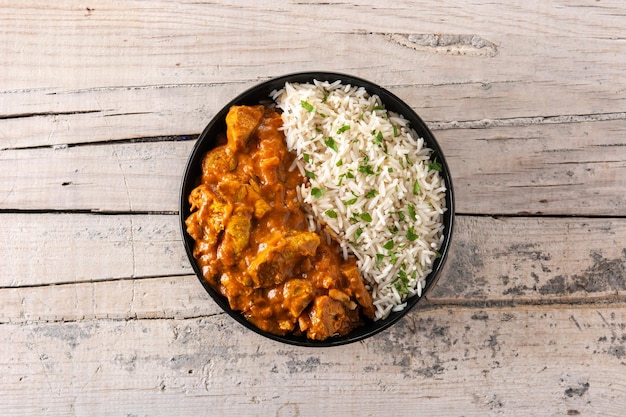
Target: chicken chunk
(218, 162)
(211, 212)
(236, 236)
(281, 254)
(327, 318)
(297, 295)
(350, 271)
(241, 122)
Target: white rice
(366, 177)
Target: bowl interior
(261, 93)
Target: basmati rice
(372, 185)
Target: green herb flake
(379, 137)
(411, 235)
(395, 131)
(411, 210)
(379, 258)
(371, 193)
(343, 129)
(306, 157)
(325, 97)
(331, 213)
(390, 170)
(317, 192)
(389, 245)
(309, 174)
(350, 202)
(366, 169)
(393, 257)
(401, 216)
(330, 142)
(435, 166)
(437, 255)
(378, 107)
(416, 187)
(307, 106)
(401, 283)
(366, 217)
(358, 233)
(339, 163)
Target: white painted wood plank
(49, 248)
(116, 177)
(152, 298)
(564, 168)
(158, 43)
(551, 360)
(172, 77)
(491, 261)
(50, 117)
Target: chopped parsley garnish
(317, 192)
(307, 106)
(309, 174)
(330, 142)
(393, 257)
(339, 163)
(306, 157)
(411, 210)
(395, 131)
(410, 234)
(325, 97)
(379, 258)
(358, 233)
(378, 107)
(435, 166)
(350, 202)
(343, 129)
(366, 217)
(401, 282)
(416, 187)
(366, 169)
(331, 213)
(378, 139)
(437, 255)
(389, 245)
(371, 193)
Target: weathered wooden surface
(100, 105)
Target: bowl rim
(250, 96)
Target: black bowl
(261, 93)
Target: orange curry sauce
(252, 239)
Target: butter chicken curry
(252, 241)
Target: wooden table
(101, 103)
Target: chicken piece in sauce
(252, 239)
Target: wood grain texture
(492, 260)
(100, 105)
(543, 360)
(557, 169)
